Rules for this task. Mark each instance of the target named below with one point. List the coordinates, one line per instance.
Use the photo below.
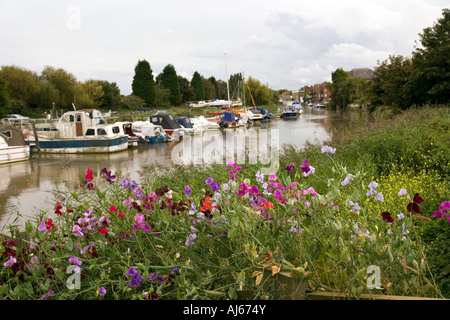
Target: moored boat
(169, 124)
(79, 131)
(13, 147)
(290, 113)
(149, 133)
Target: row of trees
(423, 78)
(170, 89)
(26, 92)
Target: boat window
(71, 118)
(154, 120)
(115, 130)
(90, 132)
(78, 117)
(101, 132)
(6, 133)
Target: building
(364, 73)
(318, 93)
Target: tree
(20, 83)
(430, 78)
(235, 85)
(143, 84)
(215, 85)
(4, 99)
(169, 80)
(64, 82)
(339, 88)
(186, 91)
(389, 83)
(94, 91)
(210, 92)
(261, 94)
(197, 86)
(111, 94)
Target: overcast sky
(286, 44)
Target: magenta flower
(102, 291)
(444, 211)
(305, 166)
(290, 167)
(10, 262)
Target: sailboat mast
(228, 86)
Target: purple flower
(187, 190)
(402, 192)
(290, 167)
(74, 259)
(42, 227)
(328, 150)
(102, 291)
(190, 239)
(153, 276)
(136, 281)
(347, 180)
(305, 166)
(379, 197)
(10, 262)
(174, 270)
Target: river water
(28, 187)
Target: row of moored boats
(91, 131)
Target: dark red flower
(414, 205)
(58, 208)
(387, 217)
(103, 231)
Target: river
(28, 187)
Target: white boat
(169, 124)
(149, 133)
(199, 104)
(13, 147)
(204, 124)
(80, 131)
(219, 103)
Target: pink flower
(10, 262)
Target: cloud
(286, 43)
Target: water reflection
(27, 187)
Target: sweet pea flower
(402, 192)
(10, 262)
(187, 190)
(305, 166)
(328, 150)
(102, 291)
(190, 239)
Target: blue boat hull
(83, 145)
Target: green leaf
(74, 195)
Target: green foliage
(186, 91)
(197, 87)
(261, 94)
(169, 80)
(4, 99)
(65, 83)
(389, 83)
(430, 82)
(143, 84)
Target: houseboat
(13, 147)
(79, 131)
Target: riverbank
(208, 233)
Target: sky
(285, 44)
